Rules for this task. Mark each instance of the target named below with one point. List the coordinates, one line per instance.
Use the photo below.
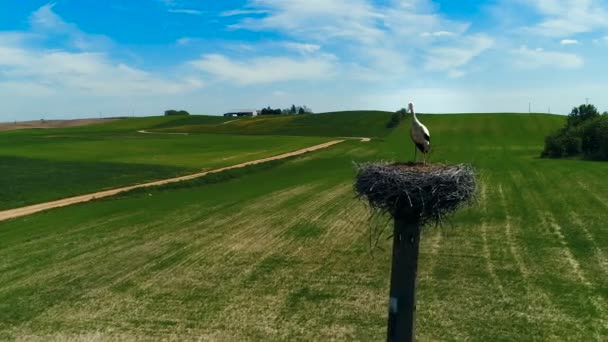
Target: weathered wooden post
(414, 194)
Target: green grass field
(42, 165)
(282, 252)
(339, 124)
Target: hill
(337, 124)
(49, 164)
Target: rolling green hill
(49, 164)
(283, 253)
(338, 124)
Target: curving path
(23, 211)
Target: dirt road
(18, 212)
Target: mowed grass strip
(284, 253)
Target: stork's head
(410, 107)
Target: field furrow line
(513, 249)
(598, 302)
(489, 262)
(540, 306)
(575, 266)
(487, 254)
(598, 198)
(601, 257)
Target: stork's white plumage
(420, 135)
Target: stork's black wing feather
(427, 138)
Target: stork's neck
(414, 115)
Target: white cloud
(240, 12)
(374, 38)
(45, 22)
(438, 34)
(168, 3)
(66, 73)
(317, 19)
(451, 58)
(261, 70)
(563, 18)
(569, 42)
(526, 58)
(303, 48)
(184, 41)
(175, 6)
(185, 11)
(82, 72)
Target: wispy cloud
(438, 34)
(239, 12)
(185, 41)
(562, 18)
(320, 20)
(176, 7)
(302, 48)
(60, 71)
(186, 11)
(569, 42)
(383, 37)
(261, 70)
(451, 58)
(526, 58)
(45, 22)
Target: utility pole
(586, 100)
(530, 107)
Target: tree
(396, 118)
(172, 112)
(585, 133)
(582, 113)
(402, 112)
(293, 109)
(307, 110)
(301, 111)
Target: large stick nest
(416, 192)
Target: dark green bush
(585, 134)
(553, 146)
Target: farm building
(242, 113)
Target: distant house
(244, 113)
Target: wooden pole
(402, 300)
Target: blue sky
(69, 58)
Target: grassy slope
(41, 165)
(341, 124)
(283, 254)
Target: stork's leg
(415, 153)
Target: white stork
(420, 135)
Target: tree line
(396, 118)
(585, 134)
(172, 112)
(292, 110)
